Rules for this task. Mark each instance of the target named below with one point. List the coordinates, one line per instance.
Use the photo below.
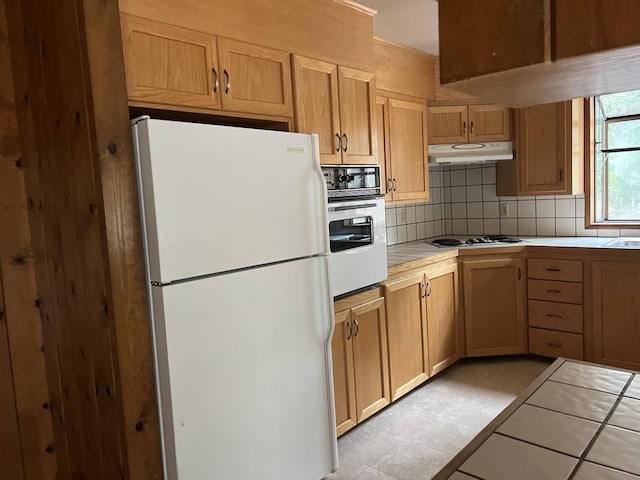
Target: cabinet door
(254, 79)
(494, 306)
(407, 334)
(315, 88)
(444, 321)
(489, 123)
(616, 314)
(169, 65)
(357, 116)
(408, 150)
(448, 124)
(382, 124)
(343, 373)
(370, 358)
(543, 148)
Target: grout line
(534, 444)
(604, 423)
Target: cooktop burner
(456, 242)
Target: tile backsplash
(464, 202)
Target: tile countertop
(407, 252)
(577, 420)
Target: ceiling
(413, 23)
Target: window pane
(599, 193)
(623, 186)
(623, 134)
(621, 104)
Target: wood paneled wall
(74, 132)
(26, 438)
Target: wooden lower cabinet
(445, 327)
(616, 314)
(359, 354)
(407, 333)
(494, 306)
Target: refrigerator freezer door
(218, 198)
(244, 373)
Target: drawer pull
(553, 290)
(554, 315)
(555, 345)
(554, 269)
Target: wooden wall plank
(321, 29)
(115, 162)
(22, 323)
(84, 219)
(10, 450)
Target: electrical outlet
(403, 216)
(504, 210)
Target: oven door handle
(351, 207)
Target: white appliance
(358, 244)
(241, 307)
(465, 153)
(357, 232)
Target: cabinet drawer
(555, 316)
(548, 269)
(555, 291)
(550, 343)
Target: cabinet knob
(346, 142)
(355, 322)
(554, 344)
(562, 174)
(519, 273)
(464, 128)
(395, 184)
(389, 185)
(349, 331)
(338, 142)
(471, 127)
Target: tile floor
(535, 442)
(418, 435)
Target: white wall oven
(357, 233)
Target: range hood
(463, 153)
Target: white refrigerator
(236, 244)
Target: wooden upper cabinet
(489, 123)
(169, 65)
(469, 124)
(448, 124)
(315, 86)
(370, 359)
(344, 389)
(516, 37)
(549, 151)
(254, 79)
(407, 334)
(494, 306)
(445, 325)
(616, 314)
(357, 116)
(531, 52)
(409, 167)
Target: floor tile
(503, 458)
(591, 471)
(553, 430)
(634, 388)
(617, 448)
(460, 476)
(589, 376)
(572, 400)
(627, 414)
(353, 470)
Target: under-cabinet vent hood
(463, 153)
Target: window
(616, 162)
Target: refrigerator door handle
(323, 191)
